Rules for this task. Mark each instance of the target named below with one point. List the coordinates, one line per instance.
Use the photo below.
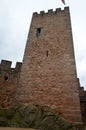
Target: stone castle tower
(48, 74)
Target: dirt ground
(7, 128)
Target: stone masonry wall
(9, 78)
(48, 74)
(83, 103)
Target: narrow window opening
(6, 78)
(38, 32)
(0, 71)
(47, 53)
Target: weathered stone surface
(9, 78)
(32, 117)
(8, 128)
(48, 75)
(83, 103)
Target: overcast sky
(15, 18)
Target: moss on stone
(32, 117)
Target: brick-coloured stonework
(48, 75)
(9, 78)
(83, 104)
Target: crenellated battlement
(6, 65)
(9, 78)
(48, 76)
(50, 12)
(82, 94)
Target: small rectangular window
(47, 53)
(0, 70)
(5, 78)
(38, 32)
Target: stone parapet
(9, 78)
(50, 12)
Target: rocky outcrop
(32, 117)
